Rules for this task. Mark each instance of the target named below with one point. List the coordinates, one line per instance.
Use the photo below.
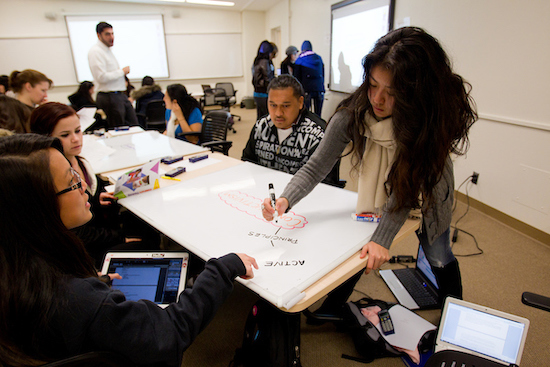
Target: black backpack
(271, 338)
(368, 341)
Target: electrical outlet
(475, 177)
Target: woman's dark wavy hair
(186, 102)
(36, 249)
(432, 113)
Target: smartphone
(385, 322)
(175, 172)
(170, 160)
(122, 128)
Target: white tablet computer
(155, 276)
(482, 331)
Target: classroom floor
(511, 264)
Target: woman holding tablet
(406, 119)
(52, 303)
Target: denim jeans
(439, 253)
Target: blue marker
(198, 158)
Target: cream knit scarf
(376, 165)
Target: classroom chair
(214, 131)
(154, 118)
(229, 98)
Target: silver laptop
(473, 329)
(155, 276)
(414, 288)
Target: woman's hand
(281, 205)
(106, 198)
(248, 262)
(378, 255)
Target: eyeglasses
(76, 186)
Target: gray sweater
(436, 220)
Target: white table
(219, 212)
(111, 154)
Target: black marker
(272, 195)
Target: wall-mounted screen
(139, 43)
(356, 25)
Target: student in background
(262, 73)
(30, 87)
(285, 138)
(186, 113)
(287, 65)
(148, 92)
(310, 71)
(4, 84)
(70, 311)
(14, 115)
(84, 97)
(104, 232)
(110, 80)
(411, 112)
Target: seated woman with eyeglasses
(104, 231)
(52, 304)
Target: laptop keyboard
(413, 284)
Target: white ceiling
(240, 5)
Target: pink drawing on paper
(252, 206)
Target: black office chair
(92, 359)
(155, 116)
(214, 131)
(228, 99)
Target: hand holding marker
(272, 196)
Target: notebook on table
(480, 331)
(155, 276)
(414, 288)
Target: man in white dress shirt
(109, 80)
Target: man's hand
(126, 70)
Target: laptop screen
(483, 332)
(423, 265)
(154, 279)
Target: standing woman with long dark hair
(262, 73)
(186, 113)
(406, 119)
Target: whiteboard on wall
(189, 56)
(198, 56)
(139, 43)
(51, 56)
(220, 213)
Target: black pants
(317, 98)
(118, 109)
(261, 107)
